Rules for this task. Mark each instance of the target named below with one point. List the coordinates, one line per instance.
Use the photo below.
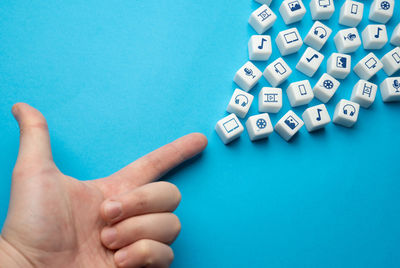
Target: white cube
(270, 100)
(288, 125)
(229, 128)
(368, 66)
(316, 117)
(300, 93)
(322, 9)
(259, 126)
(339, 65)
(262, 19)
(247, 76)
(351, 13)
(325, 88)
(288, 41)
(277, 72)
(240, 103)
(318, 35)
(346, 113)
(391, 61)
(264, 2)
(347, 40)
(310, 62)
(364, 93)
(374, 36)
(292, 11)
(381, 10)
(390, 89)
(260, 48)
(395, 39)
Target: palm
(63, 220)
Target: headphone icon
(320, 31)
(243, 99)
(349, 108)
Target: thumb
(34, 148)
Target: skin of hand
(123, 220)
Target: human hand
(124, 220)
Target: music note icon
(319, 114)
(377, 34)
(262, 43)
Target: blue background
(117, 79)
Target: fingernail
(112, 209)
(120, 256)
(109, 235)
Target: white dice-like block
(300, 93)
(347, 40)
(395, 39)
(277, 72)
(262, 19)
(247, 76)
(351, 13)
(260, 47)
(318, 35)
(316, 117)
(240, 103)
(264, 2)
(346, 113)
(339, 65)
(310, 62)
(288, 41)
(391, 61)
(229, 128)
(368, 66)
(374, 36)
(259, 126)
(381, 10)
(325, 88)
(292, 11)
(289, 125)
(390, 89)
(364, 93)
(270, 100)
(322, 9)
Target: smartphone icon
(302, 90)
(396, 57)
(354, 9)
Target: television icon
(230, 125)
(291, 37)
(324, 3)
(371, 63)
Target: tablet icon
(396, 57)
(230, 125)
(371, 63)
(279, 68)
(291, 37)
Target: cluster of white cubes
(289, 41)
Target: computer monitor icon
(371, 63)
(324, 3)
(230, 125)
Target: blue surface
(117, 79)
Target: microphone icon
(249, 72)
(396, 85)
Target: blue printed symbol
(371, 63)
(242, 100)
(367, 90)
(324, 3)
(341, 62)
(328, 84)
(385, 5)
(270, 97)
(396, 85)
(291, 122)
(295, 5)
(349, 110)
(279, 68)
(264, 15)
(261, 123)
(230, 125)
(249, 72)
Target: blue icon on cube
(279, 68)
(396, 85)
(341, 62)
(324, 3)
(230, 125)
(371, 63)
(242, 100)
(367, 90)
(385, 5)
(349, 110)
(328, 84)
(396, 57)
(295, 5)
(354, 9)
(291, 37)
(291, 122)
(264, 15)
(270, 97)
(261, 123)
